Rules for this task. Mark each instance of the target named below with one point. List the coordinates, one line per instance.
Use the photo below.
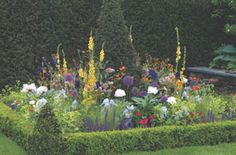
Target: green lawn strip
(8, 147)
(222, 149)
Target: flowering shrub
(92, 96)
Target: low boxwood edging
(151, 138)
(124, 141)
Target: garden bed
(124, 141)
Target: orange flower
(145, 79)
(122, 68)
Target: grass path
(222, 149)
(8, 147)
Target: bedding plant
(91, 95)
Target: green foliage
(47, 138)
(112, 31)
(226, 9)
(124, 141)
(226, 58)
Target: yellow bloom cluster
(178, 53)
(91, 43)
(183, 65)
(102, 55)
(81, 72)
(92, 78)
(58, 61)
(64, 66)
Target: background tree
(226, 9)
(112, 31)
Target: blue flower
(164, 98)
(143, 93)
(153, 74)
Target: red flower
(143, 121)
(191, 114)
(195, 88)
(200, 114)
(31, 110)
(138, 113)
(152, 118)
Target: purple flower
(98, 84)
(128, 80)
(153, 74)
(154, 84)
(74, 93)
(68, 77)
(164, 98)
(77, 84)
(143, 93)
(134, 91)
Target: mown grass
(222, 149)
(8, 147)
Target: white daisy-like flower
(172, 100)
(32, 102)
(28, 88)
(41, 90)
(120, 93)
(152, 90)
(185, 80)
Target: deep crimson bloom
(200, 114)
(138, 113)
(195, 88)
(191, 114)
(152, 118)
(143, 121)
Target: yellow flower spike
(102, 55)
(81, 72)
(64, 64)
(91, 43)
(58, 58)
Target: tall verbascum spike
(91, 43)
(178, 51)
(64, 63)
(58, 66)
(102, 54)
(183, 64)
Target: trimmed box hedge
(124, 141)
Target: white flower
(127, 113)
(60, 93)
(74, 104)
(152, 90)
(32, 102)
(107, 104)
(40, 104)
(130, 108)
(185, 80)
(28, 88)
(171, 100)
(120, 93)
(184, 95)
(163, 112)
(164, 109)
(198, 98)
(41, 90)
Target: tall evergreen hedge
(31, 29)
(113, 32)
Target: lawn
(222, 149)
(8, 147)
